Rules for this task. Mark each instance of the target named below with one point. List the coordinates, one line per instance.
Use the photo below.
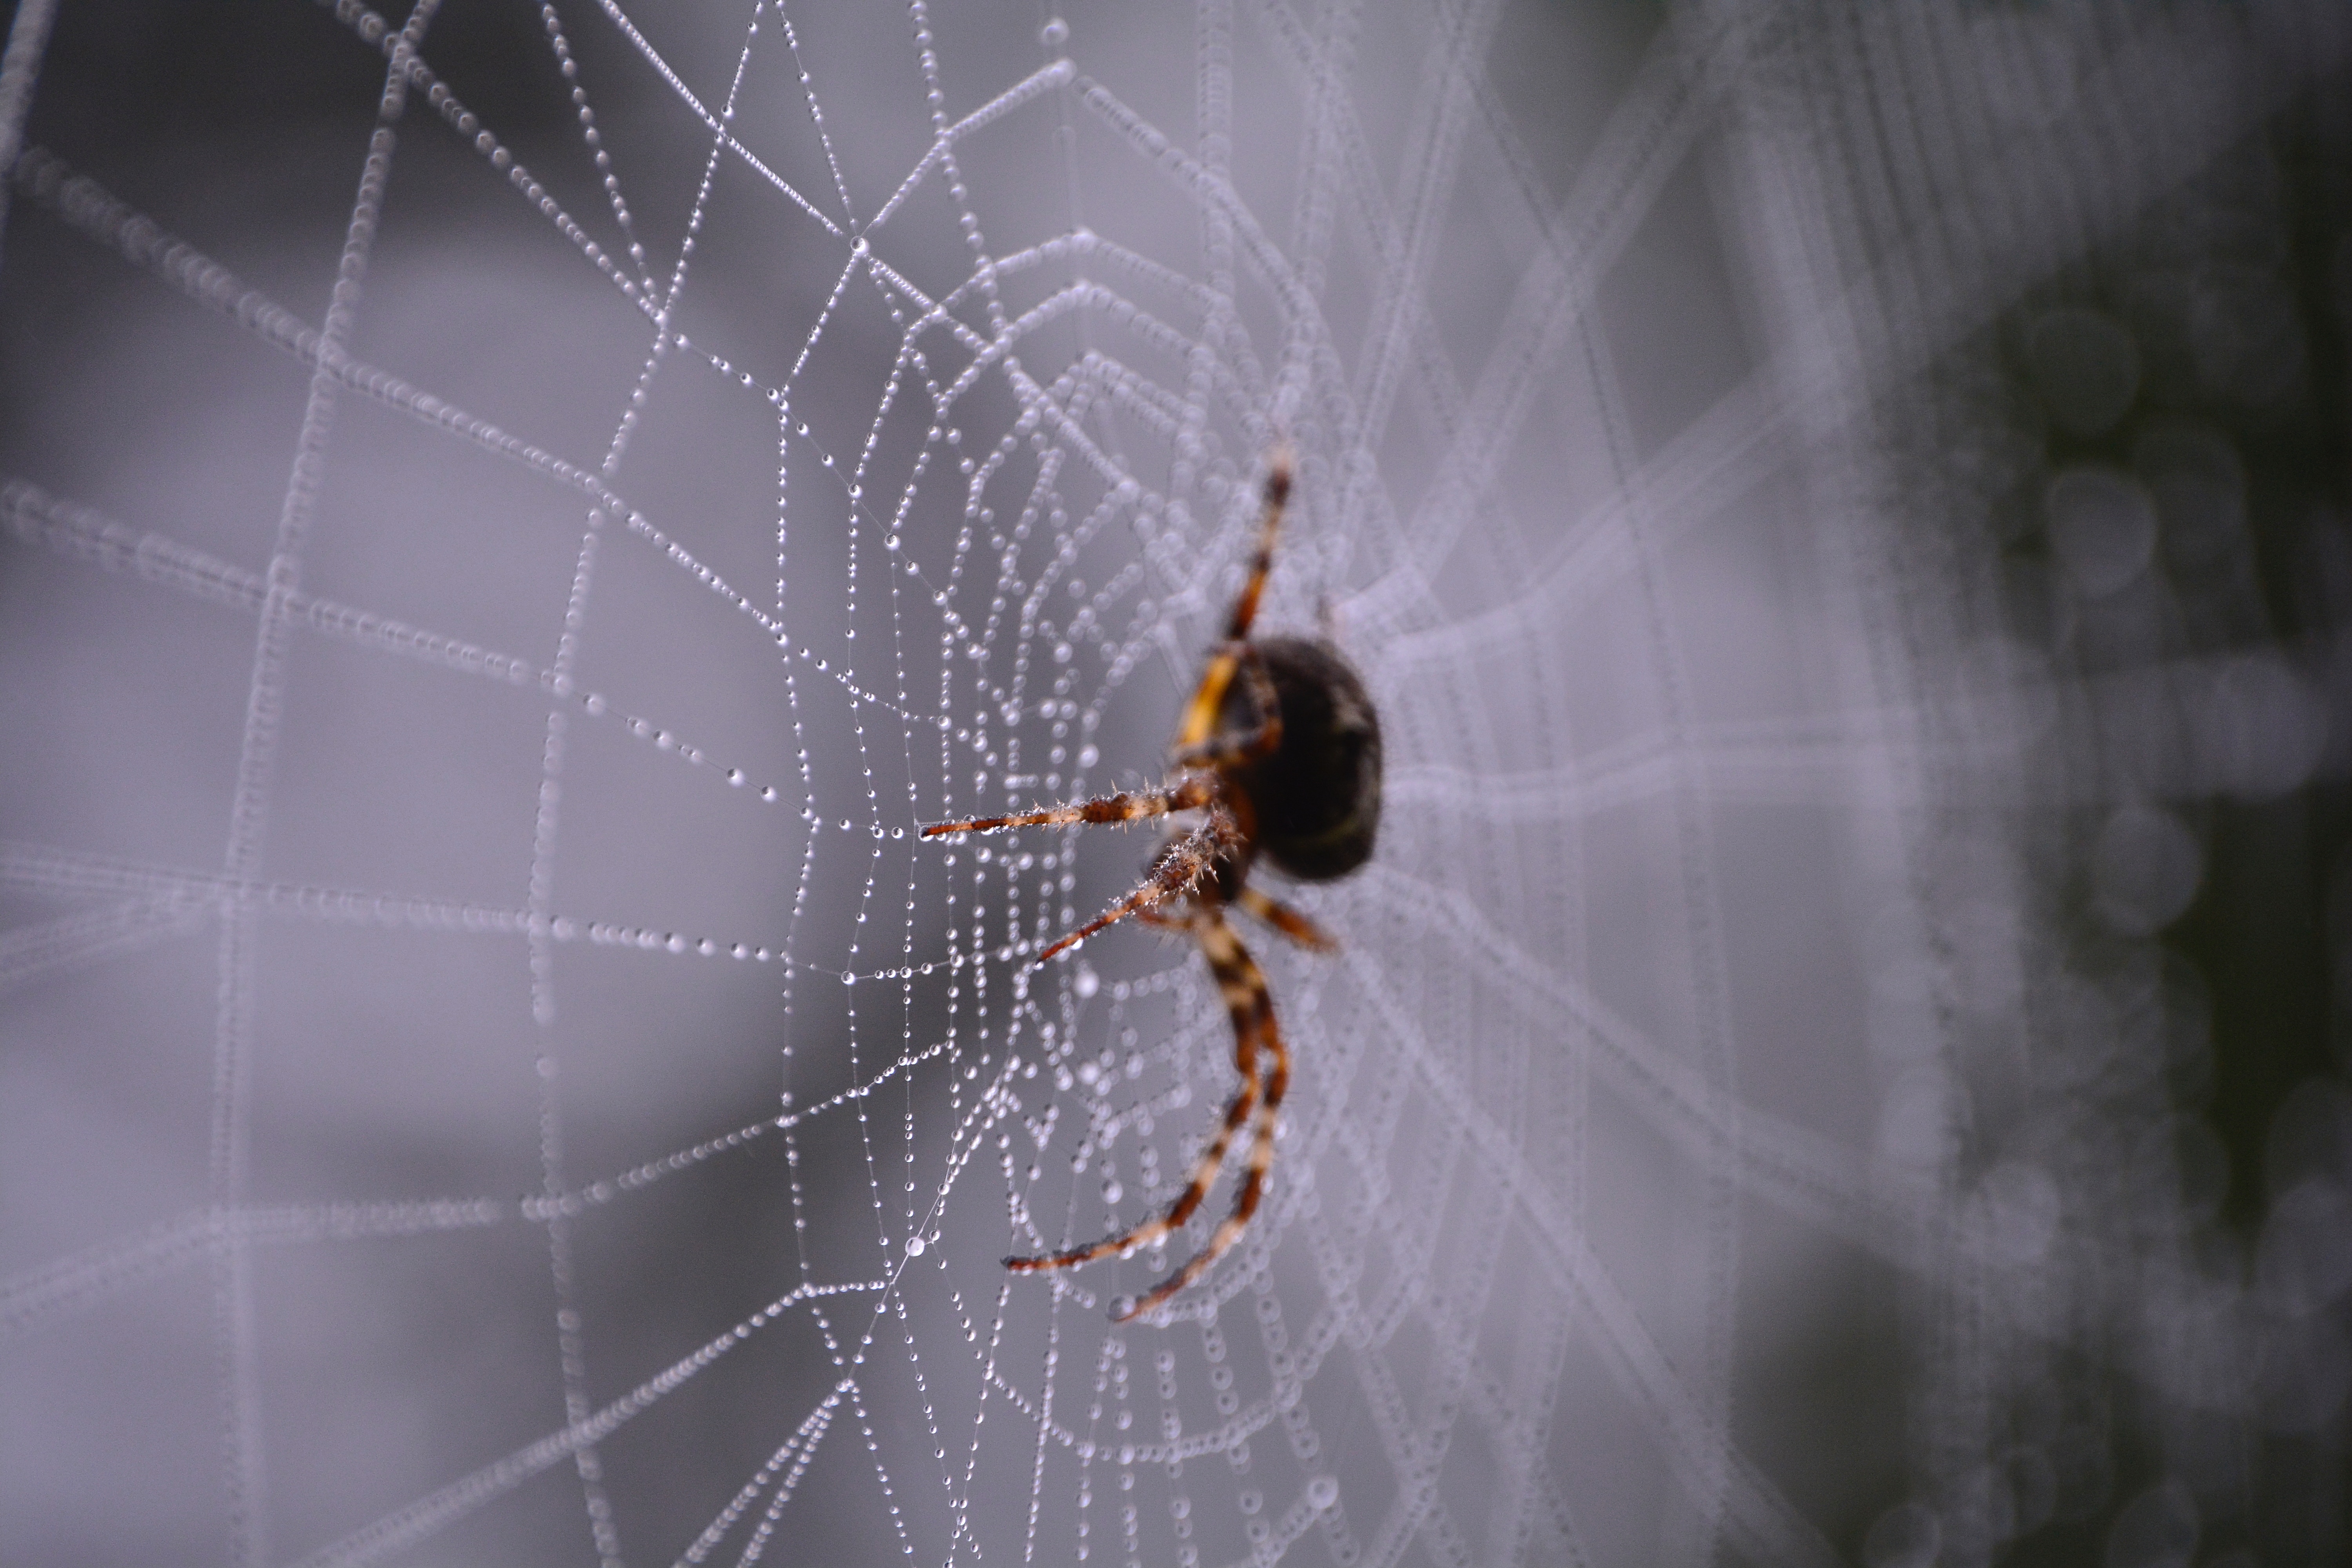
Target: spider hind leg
(1245, 1006)
(1252, 1006)
(1175, 872)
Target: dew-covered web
(511, 539)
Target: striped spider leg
(1293, 772)
(1209, 697)
(1251, 1005)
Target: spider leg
(1208, 699)
(1128, 806)
(1201, 718)
(1255, 743)
(1175, 871)
(1277, 495)
(1243, 1005)
(1246, 994)
(1289, 921)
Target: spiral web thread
(1024, 528)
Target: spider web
(577, 493)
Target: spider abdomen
(1317, 797)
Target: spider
(1279, 753)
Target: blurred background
(513, 515)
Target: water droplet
(2101, 528)
(2145, 869)
(2259, 729)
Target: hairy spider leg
(1235, 751)
(1175, 871)
(1289, 921)
(1245, 996)
(1245, 1004)
(1201, 718)
(1129, 806)
(1277, 496)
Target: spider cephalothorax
(1279, 753)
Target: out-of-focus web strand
(571, 1344)
(1791, 1163)
(86, 205)
(180, 264)
(38, 518)
(428, 1516)
(86, 936)
(45, 866)
(236, 1326)
(71, 1285)
(1961, 279)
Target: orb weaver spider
(1279, 753)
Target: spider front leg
(1129, 806)
(1175, 871)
